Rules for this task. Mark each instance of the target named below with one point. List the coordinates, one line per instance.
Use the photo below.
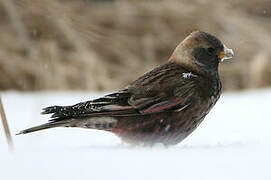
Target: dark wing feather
(163, 89)
(115, 103)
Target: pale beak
(226, 54)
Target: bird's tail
(44, 126)
(62, 117)
(96, 114)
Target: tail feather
(89, 114)
(43, 126)
(101, 123)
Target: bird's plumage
(163, 106)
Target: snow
(233, 142)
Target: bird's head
(202, 52)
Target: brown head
(201, 52)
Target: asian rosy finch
(163, 106)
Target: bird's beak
(226, 53)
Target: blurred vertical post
(5, 125)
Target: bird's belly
(165, 128)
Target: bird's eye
(211, 50)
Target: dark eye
(211, 50)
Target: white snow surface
(233, 142)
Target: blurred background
(105, 44)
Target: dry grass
(102, 46)
(5, 125)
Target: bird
(163, 106)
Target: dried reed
(57, 44)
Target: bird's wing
(164, 89)
(161, 103)
(112, 104)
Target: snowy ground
(232, 143)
